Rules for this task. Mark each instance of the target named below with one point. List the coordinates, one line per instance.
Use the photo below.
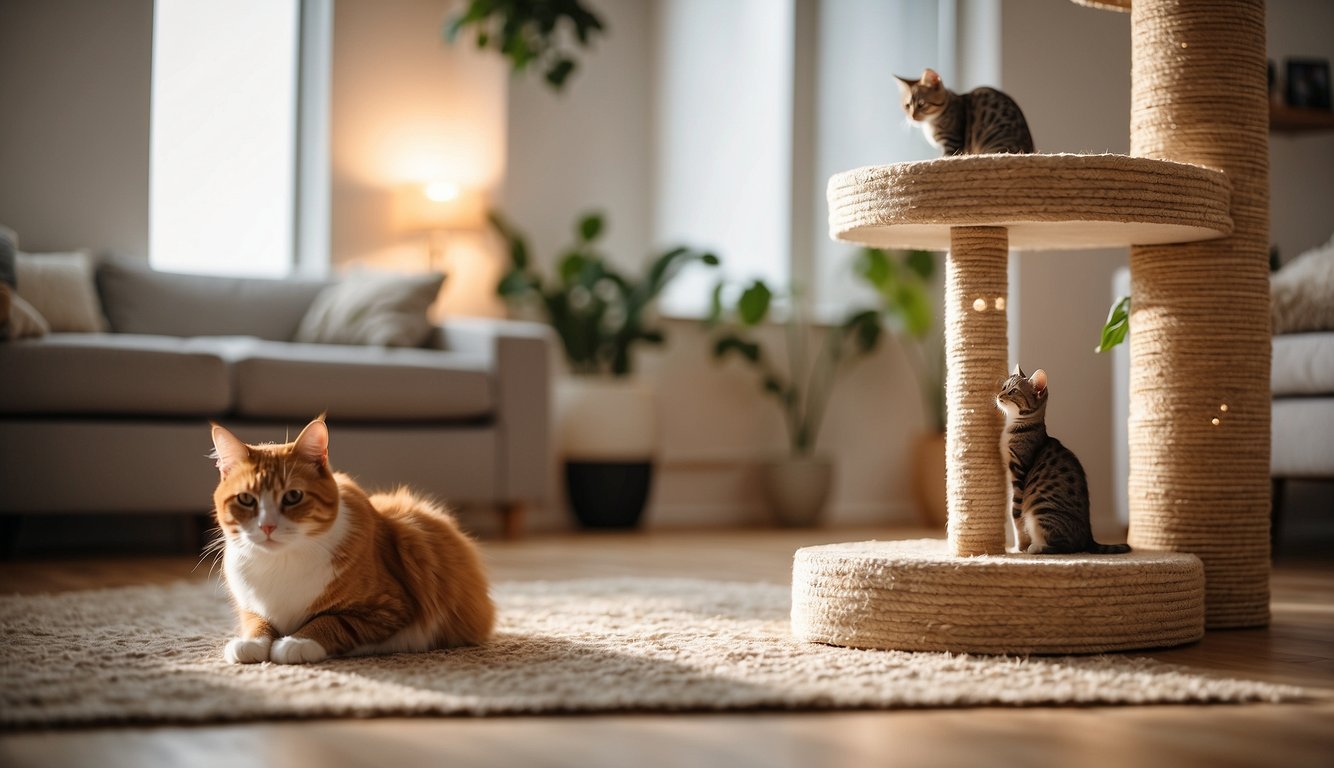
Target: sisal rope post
(1200, 345)
(976, 349)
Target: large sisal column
(1199, 341)
(975, 358)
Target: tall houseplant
(607, 422)
(800, 381)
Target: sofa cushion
(1302, 437)
(60, 287)
(372, 308)
(139, 300)
(1303, 364)
(125, 375)
(298, 381)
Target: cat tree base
(917, 596)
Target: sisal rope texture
(917, 596)
(1200, 339)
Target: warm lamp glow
(441, 191)
(438, 205)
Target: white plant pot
(606, 430)
(797, 488)
(599, 418)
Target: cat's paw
(247, 650)
(296, 650)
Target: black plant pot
(608, 494)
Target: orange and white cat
(317, 568)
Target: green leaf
(914, 308)
(922, 263)
(514, 284)
(590, 226)
(574, 268)
(753, 305)
(865, 329)
(519, 253)
(559, 72)
(710, 259)
(874, 266)
(1117, 326)
(715, 315)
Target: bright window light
(223, 155)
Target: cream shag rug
(154, 654)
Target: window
(759, 103)
(223, 147)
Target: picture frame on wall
(1307, 83)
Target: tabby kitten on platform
(982, 121)
(316, 568)
(1049, 503)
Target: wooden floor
(1298, 648)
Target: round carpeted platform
(1044, 201)
(917, 596)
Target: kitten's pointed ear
(228, 449)
(905, 84)
(930, 77)
(313, 442)
(1039, 380)
(1017, 371)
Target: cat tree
(1193, 203)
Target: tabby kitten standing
(982, 121)
(317, 568)
(1049, 503)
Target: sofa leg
(511, 520)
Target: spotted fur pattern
(1049, 500)
(318, 568)
(982, 121)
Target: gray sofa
(118, 421)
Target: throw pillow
(1302, 292)
(373, 309)
(24, 321)
(60, 287)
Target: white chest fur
(283, 585)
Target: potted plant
(796, 485)
(900, 280)
(529, 32)
(606, 420)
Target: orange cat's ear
(228, 449)
(1039, 380)
(930, 78)
(313, 442)
(905, 83)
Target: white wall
(409, 108)
(74, 85)
(590, 146)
